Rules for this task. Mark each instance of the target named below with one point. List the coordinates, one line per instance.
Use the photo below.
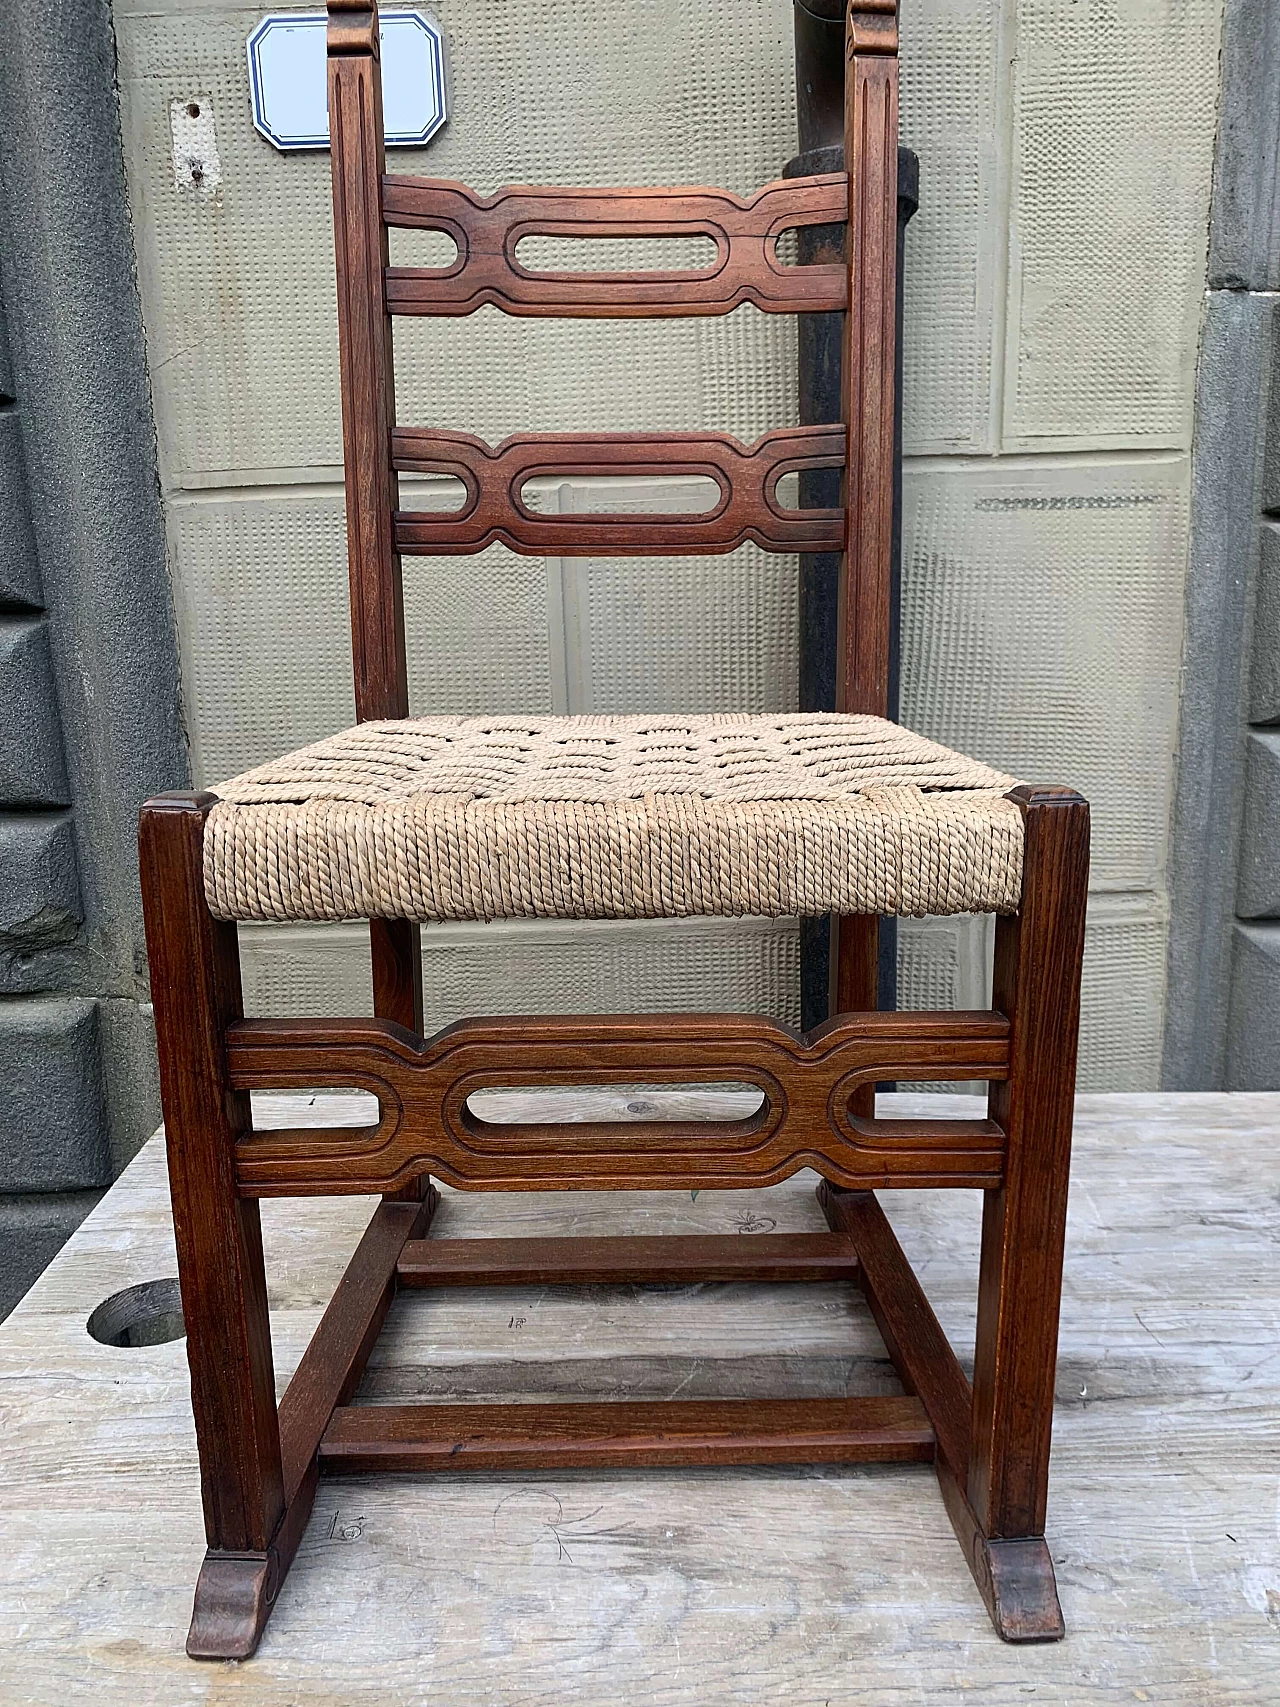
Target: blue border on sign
(394, 139)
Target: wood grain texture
(854, 979)
(396, 946)
(747, 508)
(805, 1120)
(1038, 959)
(488, 229)
(920, 1350)
(195, 988)
(1015, 1578)
(333, 1363)
(368, 414)
(395, 949)
(818, 1107)
(626, 1435)
(796, 1257)
(812, 1584)
(870, 358)
(365, 359)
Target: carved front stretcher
(805, 1120)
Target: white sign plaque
(288, 81)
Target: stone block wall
(1223, 1018)
(89, 721)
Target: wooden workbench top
(815, 1585)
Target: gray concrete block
(6, 365)
(1244, 240)
(53, 1120)
(1269, 491)
(1258, 887)
(40, 910)
(1264, 648)
(32, 770)
(1253, 1054)
(68, 276)
(131, 1074)
(19, 575)
(32, 1232)
(75, 335)
(1226, 462)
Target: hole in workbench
(147, 1314)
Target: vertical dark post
(195, 985)
(1037, 984)
(870, 355)
(820, 66)
(368, 414)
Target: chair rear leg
(855, 983)
(195, 982)
(396, 951)
(1037, 984)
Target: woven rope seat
(480, 818)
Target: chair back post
(870, 352)
(368, 417)
(365, 353)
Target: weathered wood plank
(827, 1583)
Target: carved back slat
(488, 230)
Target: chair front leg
(1037, 985)
(195, 983)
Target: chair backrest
(486, 230)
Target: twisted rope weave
(614, 817)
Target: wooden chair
(400, 821)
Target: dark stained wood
(235, 1592)
(921, 1353)
(854, 964)
(1014, 1577)
(333, 1363)
(365, 356)
(870, 354)
(396, 951)
(620, 1434)
(368, 415)
(1037, 984)
(397, 972)
(991, 1446)
(747, 507)
(195, 987)
(638, 1261)
(804, 1122)
(487, 230)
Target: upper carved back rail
(488, 232)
